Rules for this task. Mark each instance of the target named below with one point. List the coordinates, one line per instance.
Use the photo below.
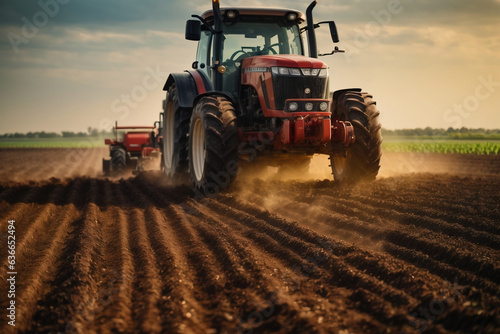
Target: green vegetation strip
(86, 142)
(443, 147)
(389, 145)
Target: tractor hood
(295, 61)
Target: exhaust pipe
(311, 35)
(217, 77)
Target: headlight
(323, 106)
(309, 106)
(293, 106)
(291, 16)
(306, 71)
(285, 71)
(310, 72)
(230, 14)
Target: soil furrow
(297, 279)
(179, 285)
(147, 285)
(117, 315)
(373, 216)
(373, 264)
(291, 247)
(40, 267)
(351, 208)
(78, 273)
(409, 215)
(403, 239)
(408, 254)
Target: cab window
(203, 56)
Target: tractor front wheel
(213, 144)
(361, 160)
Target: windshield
(245, 39)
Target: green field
(391, 144)
(77, 142)
(443, 146)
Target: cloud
(92, 51)
(101, 13)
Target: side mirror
(333, 32)
(193, 30)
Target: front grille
(293, 87)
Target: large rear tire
(361, 160)
(175, 138)
(118, 160)
(213, 145)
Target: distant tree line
(64, 134)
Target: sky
(66, 65)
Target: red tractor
(254, 98)
(137, 143)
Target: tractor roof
(133, 127)
(208, 15)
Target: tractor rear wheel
(361, 160)
(213, 144)
(118, 160)
(175, 138)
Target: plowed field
(415, 251)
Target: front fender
(340, 91)
(189, 84)
(228, 96)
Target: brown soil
(412, 253)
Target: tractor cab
(262, 63)
(248, 33)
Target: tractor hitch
(303, 130)
(343, 132)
